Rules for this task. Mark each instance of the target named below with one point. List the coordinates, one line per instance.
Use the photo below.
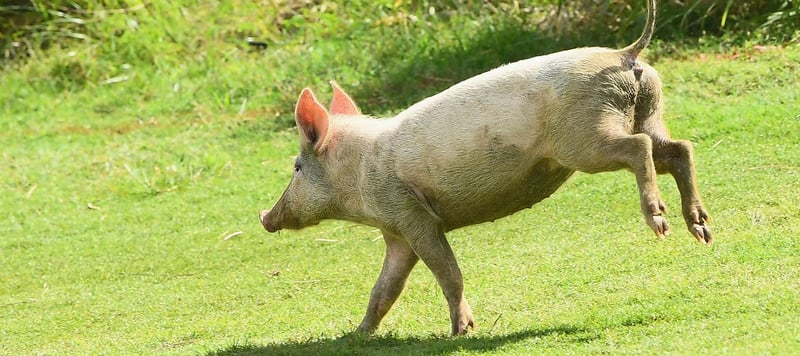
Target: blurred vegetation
(27, 26)
(212, 58)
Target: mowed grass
(117, 199)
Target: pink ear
(342, 103)
(311, 118)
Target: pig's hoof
(366, 329)
(461, 329)
(659, 225)
(696, 220)
(359, 333)
(701, 233)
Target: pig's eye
(297, 166)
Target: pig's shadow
(354, 344)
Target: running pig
(483, 149)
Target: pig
(481, 150)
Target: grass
(117, 196)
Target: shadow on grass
(357, 344)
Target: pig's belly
(496, 191)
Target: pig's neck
(359, 155)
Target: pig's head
(308, 198)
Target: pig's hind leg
(607, 145)
(671, 156)
(675, 157)
(397, 265)
(635, 152)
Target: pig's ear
(312, 119)
(342, 103)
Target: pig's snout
(264, 216)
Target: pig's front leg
(397, 265)
(431, 246)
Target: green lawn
(117, 198)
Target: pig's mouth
(265, 221)
(274, 220)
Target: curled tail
(634, 49)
